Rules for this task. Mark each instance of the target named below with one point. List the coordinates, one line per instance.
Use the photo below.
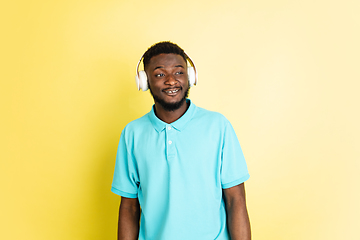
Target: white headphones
(141, 78)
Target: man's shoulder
(138, 123)
(203, 113)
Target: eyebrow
(163, 67)
(157, 67)
(179, 66)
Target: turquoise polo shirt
(178, 172)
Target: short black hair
(162, 47)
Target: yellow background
(285, 73)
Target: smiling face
(168, 80)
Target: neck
(170, 116)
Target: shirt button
(169, 128)
(170, 142)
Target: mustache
(172, 88)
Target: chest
(192, 153)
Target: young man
(181, 164)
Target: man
(181, 164)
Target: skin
(236, 213)
(129, 217)
(168, 72)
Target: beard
(171, 106)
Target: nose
(171, 80)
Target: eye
(159, 75)
(178, 73)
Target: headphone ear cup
(191, 76)
(141, 81)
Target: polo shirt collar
(179, 124)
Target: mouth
(172, 92)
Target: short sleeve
(126, 179)
(233, 166)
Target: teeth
(173, 91)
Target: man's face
(168, 80)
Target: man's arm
(129, 216)
(236, 211)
